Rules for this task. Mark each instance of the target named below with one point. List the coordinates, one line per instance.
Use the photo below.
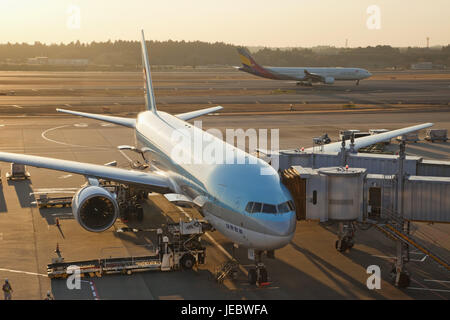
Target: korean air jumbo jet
(242, 197)
(303, 75)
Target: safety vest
(7, 288)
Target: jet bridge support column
(399, 273)
(343, 153)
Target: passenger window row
(254, 207)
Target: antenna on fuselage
(150, 102)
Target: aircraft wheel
(262, 275)
(140, 213)
(252, 276)
(343, 247)
(404, 280)
(187, 261)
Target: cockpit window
(255, 207)
(284, 207)
(249, 207)
(291, 205)
(269, 208)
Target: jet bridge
(390, 199)
(373, 163)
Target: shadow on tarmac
(23, 190)
(3, 207)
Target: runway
(223, 88)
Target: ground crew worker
(49, 296)
(7, 290)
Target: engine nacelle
(329, 80)
(95, 208)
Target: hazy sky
(274, 23)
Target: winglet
(150, 102)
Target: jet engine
(329, 80)
(95, 208)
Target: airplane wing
(127, 122)
(197, 113)
(153, 181)
(369, 140)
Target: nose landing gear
(258, 274)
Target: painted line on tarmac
(392, 257)
(125, 156)
(43, 135)
(217, 244)
(428, 289)
(24, 272)
(425, 288)
(93, 289)
(439, 281)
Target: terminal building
(58, 62)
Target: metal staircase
(398, 229)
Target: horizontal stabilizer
(197, 113)
(127, 122)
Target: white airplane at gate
(251, 209)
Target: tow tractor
(179, 247)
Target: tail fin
(246, 58)
(249, 65)
(150, 102)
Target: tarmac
(308, 268)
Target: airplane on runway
(303, 75)
(251, 209)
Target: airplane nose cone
(286, 226)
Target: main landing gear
(346, 236)
(304, 84)
(357, 82)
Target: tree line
(127, 54)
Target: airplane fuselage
(299, 74)
(225, 189)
